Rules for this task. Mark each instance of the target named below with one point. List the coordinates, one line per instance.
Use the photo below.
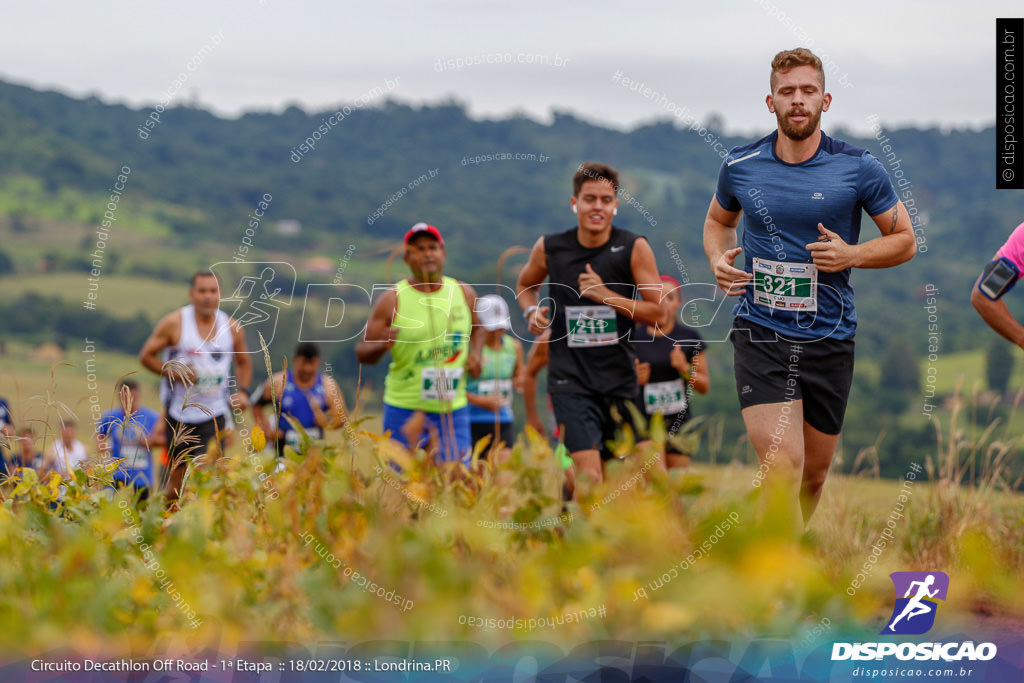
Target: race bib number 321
(789, 286)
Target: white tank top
(211, 361)
(72, 457)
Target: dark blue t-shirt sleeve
(724, 194)
(874, 187)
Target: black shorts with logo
(770, 369)
(591, 421)
(186, 439)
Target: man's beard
(799, 131)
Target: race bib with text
(789, 286)
(440, 384)
(665, 398)
(490, 387)
(591, 326)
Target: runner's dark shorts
(770, 369)
(201, 433)
(588, 420)
(674, 423)
(506, 433)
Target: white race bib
(591, 326)
(208, 382)
(789, 286)
(440, 384)
(293, 438)
(490, 387)
(665, 398)
(134, 457)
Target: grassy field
(340, 548)
(33, 387)
(118, 295)
(22, 195)
(966, 368)
(298, 556)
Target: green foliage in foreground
(340, 546)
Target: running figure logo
(258, 292)
(914, 613)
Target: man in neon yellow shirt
(428, 323)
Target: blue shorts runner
(441, 424)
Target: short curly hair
(790, 59)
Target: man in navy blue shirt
(800, 194)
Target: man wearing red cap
(427, 322)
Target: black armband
(998, 278)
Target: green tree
(998, 365)
(901, 376)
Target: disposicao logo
(917, 594)
(914, 612)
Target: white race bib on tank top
(210, 359)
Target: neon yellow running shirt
(431, 347)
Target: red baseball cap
(423, 228)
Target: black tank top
(657, 352)
(590, 350)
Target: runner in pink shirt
(996, 279)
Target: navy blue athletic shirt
(782, 205)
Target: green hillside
(201, 187)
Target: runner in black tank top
(595, 270)
(597, 357)
(670, 366)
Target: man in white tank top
(66, 453)
(202, 340)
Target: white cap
(493, 313)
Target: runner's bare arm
(699, 378)
(165, 334)
(531, 277)
(271, 390)
(476, 336)
(720, 247)
(158, 438)
(517, 370)
(648, 284)
(491, 402)
(997, 315)
(243, 367)
(646, 310)
(896, 245)
(536, 361)
(380, 332)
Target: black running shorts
(591, 421)
(770, 369)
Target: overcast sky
(922, 64)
